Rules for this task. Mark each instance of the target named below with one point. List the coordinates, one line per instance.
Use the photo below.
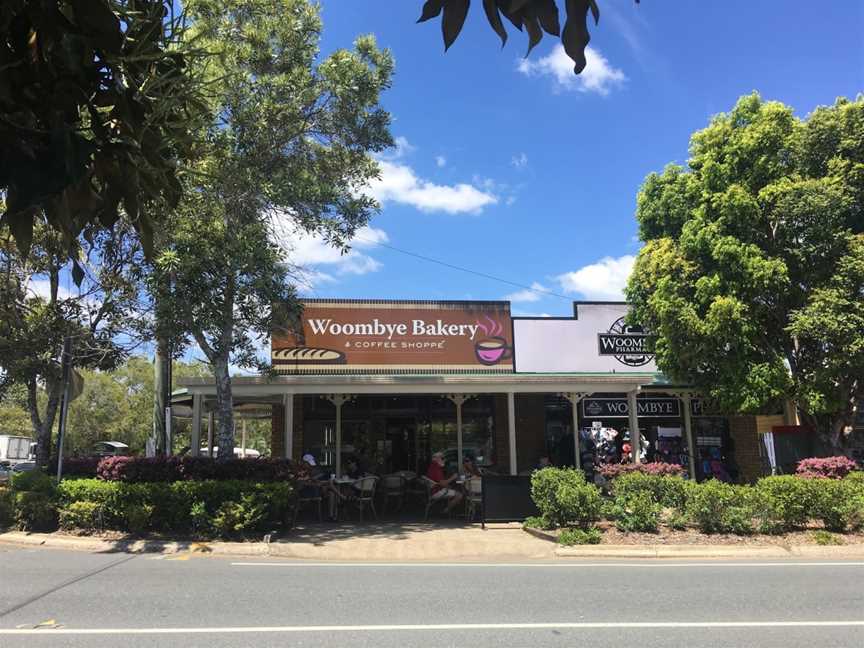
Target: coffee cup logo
(493, 348)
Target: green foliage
(138, 517)
(838, 504)
(668, 492)
(224, 507)
(753, 265)
(590, 536)
(636, 511)
(537, 522)
(677, 521)
(35, 511)
(98, 103)
(826, 538)
(717, 507)
(34, 481)
(783, 502)
(82, 516)
(289, 147)
(535, 16)
(7, 507)
(563, 497)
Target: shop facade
(387, 383)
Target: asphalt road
(58, 598)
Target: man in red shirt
(441, 489)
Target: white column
(288, 420)
(575, 398)
(458, 400)
(688, 431)
(338, 400)
(195, 436)
(211, 418)
(635, 439)
(511, 428)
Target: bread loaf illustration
(307, 355)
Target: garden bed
(665, 536)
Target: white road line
(438, 627)
(561, 565)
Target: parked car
(5, 472)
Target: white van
(14, 448)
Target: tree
(96, 107)
(752, 273)
(536, 16)
(291, 142)
(37, 313)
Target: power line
(462, 269)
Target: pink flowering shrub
(171, 469)
(826, 467)
(657, 468)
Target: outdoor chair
(393, 488)
(363, 494)
(427, 485)
(473, 497)
(307, 495)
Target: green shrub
(838, 504)
(636, 511)
(570, 537)
(825, 538)
(717, 507)
(669, 492)
(856, 478)
(35, 511)
(782, 503)
(84, 516)
(138, 517)
(537, 522)
(564, 498)
(33, 481)
(182, 507)
(7, 508)
(677, 521)
(237, 518)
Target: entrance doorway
(400, 444)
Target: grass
(826, 538)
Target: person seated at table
(442, 490)
(313, 480)
(470, 467)
(543, 462)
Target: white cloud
(399, 183)
(605, 279)
(598, 76)
(519, 161)
(401, 148)
(527, 295)
(440, 161)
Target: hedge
(658, 468)
(828, 467)
(564, 498)
(170, 469)
(225, 508)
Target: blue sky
(517, 169)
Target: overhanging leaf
(494, 18)
(595, 11)
(547, 13)
(535, 34)
(431, 8)
(575, 36)
(455, 12)
(77, 273)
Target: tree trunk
(43, 426)
(161, 395)
(224, 409)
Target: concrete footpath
(419, 542)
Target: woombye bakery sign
(352, 336)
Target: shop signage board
(597, 340)
(619, 408)
(364, 336)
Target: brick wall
(277, 430)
